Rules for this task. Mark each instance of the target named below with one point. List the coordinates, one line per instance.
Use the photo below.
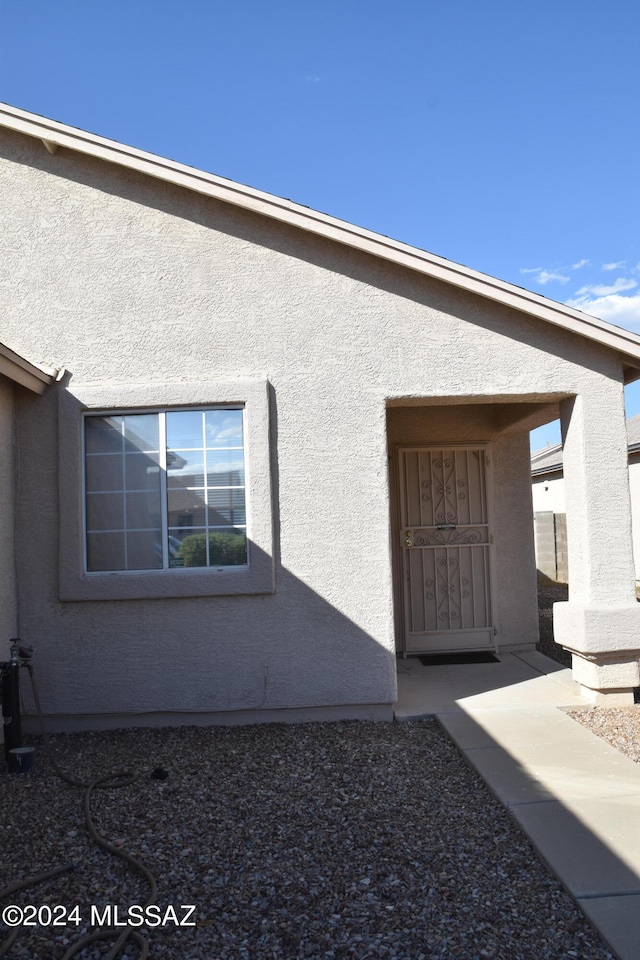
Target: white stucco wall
(128, 281)
(548, 493)
(7, 577)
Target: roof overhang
(55, 135)
(30, 375)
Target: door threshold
(446, 659)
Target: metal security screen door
(444, 540)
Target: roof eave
(30, 375)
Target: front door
(444, 540)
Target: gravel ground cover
(619, 726)
(337, 840)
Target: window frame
(256, 577)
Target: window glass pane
(225, 468)
(141, 431)
(143, 512)
(187, 548)
(223, 428)
(142, 472)
(105, 511)
(226, 548)
(132, 518)
(104, 472)
(185, 468)
(226, 507)
(185, 429)
(105, 551)
(144, 550)
(103, 434)
(186, 508)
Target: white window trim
(256, 578)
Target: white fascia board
(33, 376)
(551, 468)
(60, 135)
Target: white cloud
(614, 308)
(545, 276)
(580, 264)
(613, 266)
(602, 290)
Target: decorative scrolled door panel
(444, 539)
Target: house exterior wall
(127, 281)
(548, 493)
(549, 496)
(7, 573)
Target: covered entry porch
(462, 533)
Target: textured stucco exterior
(134, 285)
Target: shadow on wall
(196, 658)
(288, 656)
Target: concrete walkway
(576, 797)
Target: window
(165, 490)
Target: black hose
(123, 779)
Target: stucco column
(600, 624)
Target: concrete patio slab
(508, 727)
(618, 920)
(571, 769)
(436, 689)
(587, 866)
(615, 822)
(576, 797)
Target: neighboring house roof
(55, 135)
(549, 459)
(31, 375)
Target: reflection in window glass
(184, 429)
(148, 508)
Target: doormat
(444, 659)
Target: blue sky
(498, 134)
